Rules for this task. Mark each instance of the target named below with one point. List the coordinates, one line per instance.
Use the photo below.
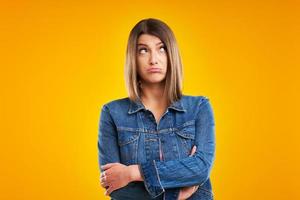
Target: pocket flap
(186, 130)
(127, 135)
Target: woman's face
(151, 59)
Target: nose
(153, 58)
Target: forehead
(148, 39)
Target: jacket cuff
(151, 178)
(172, 193)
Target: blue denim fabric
(129, 134)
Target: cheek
(165, 61)
(139, 71)
(141, 61)
(140, 66)
(164, 57)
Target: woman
(157, 143)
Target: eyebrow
(147, 45)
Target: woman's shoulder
(198, 104)
(117, 104)
(192, 100)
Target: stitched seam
(158, 175)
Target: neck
(153, 93)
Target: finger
(196, 188)
(107, 166)
(107, 172)
(109, 190)
(106, 192)
(102, 179)
(103, 174)
(103, 184)
(193, 151)
(106, 180)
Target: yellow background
(61, 60)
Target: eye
(162, 49)
(142, 50)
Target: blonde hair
(155, 27)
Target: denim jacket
(129, 134)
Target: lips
(154, 69)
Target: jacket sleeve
(194, 170)
(108, 152)
(108, 149)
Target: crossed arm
(157, 176)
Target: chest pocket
(128, 144)
(185, 134)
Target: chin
(156, 80)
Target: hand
(186, 192)
(114, 176)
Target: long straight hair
(174, 75)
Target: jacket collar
(138, 105)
